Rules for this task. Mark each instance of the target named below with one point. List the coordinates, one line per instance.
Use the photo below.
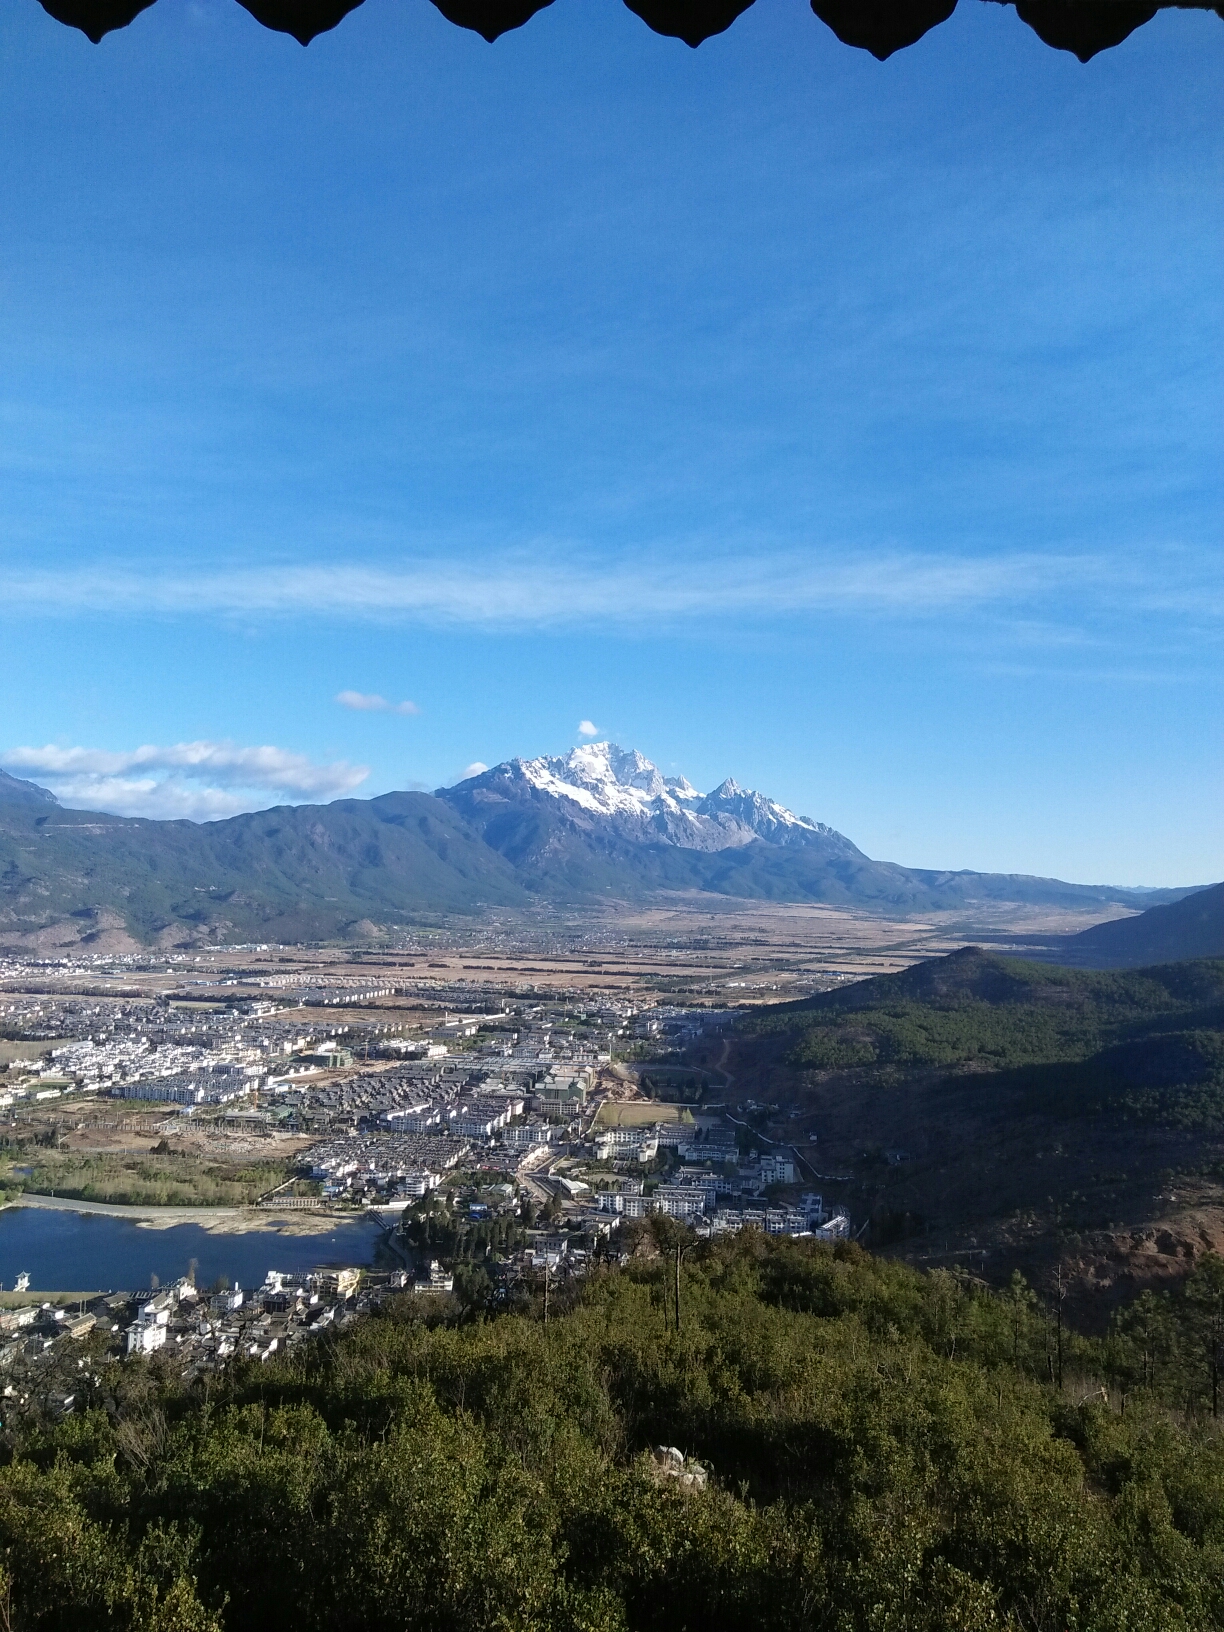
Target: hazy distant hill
(1190, 928)
(600, 824)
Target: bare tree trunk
(677, 1286)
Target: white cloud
(474, 769)
(587, 728)
(372, 703)
(542, 588)
(172, 799)
(200, 781)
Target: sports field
(639, 1113)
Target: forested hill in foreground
(1014, 1107)
(885, 1452)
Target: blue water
(90, 1252)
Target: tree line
(888, 1451)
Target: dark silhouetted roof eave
(1083, 27)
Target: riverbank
(218, 1220)
(63, 1300)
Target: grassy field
(143, 1180)
(639, 1114)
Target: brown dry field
(716, 952)
(102, 1127)
(29, 1051)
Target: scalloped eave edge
(1082, 27)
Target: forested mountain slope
(298, 872)
(884, 1450)
(1013, 1107)
(975, 1010)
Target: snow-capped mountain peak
(602, 766)
(728, 789)
(600, 777)
(622, 789)
(765, 817)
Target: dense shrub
(887, 1452)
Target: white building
(420, 1183)
(439, 1280)
(527, 1133)
(226, 1303)
(151, 1327)
(414, 1118)
(777, 1170)
(678, 1201)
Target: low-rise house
(527, 1134)
(151, 1327)
(777, 1169)
(438, 1279)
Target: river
(75, 1252)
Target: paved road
(540, 1189)
(180, 1215)
(722, 1064)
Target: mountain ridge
(623, 788)
(1192, 927)
(13, 791)
(1037, 1113)
(597, 825)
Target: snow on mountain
(766, 818)
(624, 790)
(604, 778)
(681, 788)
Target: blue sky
(850, 428)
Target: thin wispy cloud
(199, 781)
(520, 590)
(371, 703)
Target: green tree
(1204, 1298)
